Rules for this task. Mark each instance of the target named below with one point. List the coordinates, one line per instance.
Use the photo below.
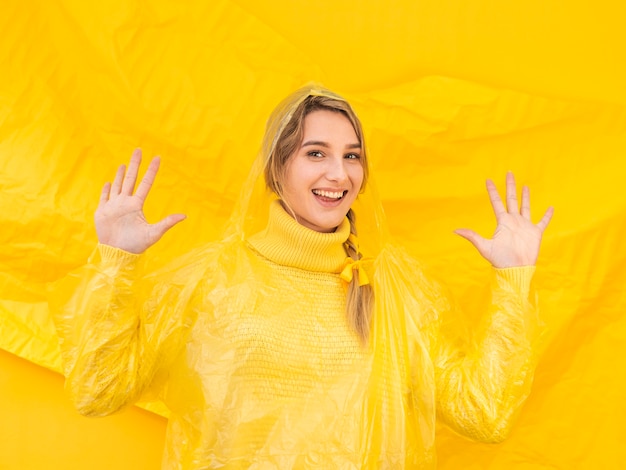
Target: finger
(104, 195)
(511, 194)
(479, 242)
(545, 220)
(131, 174)
(525, 202)
(116, 187)
(167, 223)
(148, 179)
(494, 198)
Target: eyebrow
(321, 143)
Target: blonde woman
(296, 341)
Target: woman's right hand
(120, 221)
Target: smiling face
(324, 175)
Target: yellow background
(450, 92)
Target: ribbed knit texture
(518, 278)
(288, 243)
(249, 347)
(293, 357)
(114, 258)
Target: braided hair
(359, 300)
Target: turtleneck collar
(286, 242)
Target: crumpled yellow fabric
(126, 334)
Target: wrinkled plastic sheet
(448, 97)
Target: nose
(336, 170)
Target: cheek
(293, 182)
(299, 176)
(357, 177)
(288, 177)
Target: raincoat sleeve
(116, 346)
(483, 376)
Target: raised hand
(516, 240)
(120, 221)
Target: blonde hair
(359, 301)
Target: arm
(115, 347)
(481, 385)
(483, 378)
(113, 344)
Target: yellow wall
(450, 92)
(40, 429)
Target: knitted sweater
(249, 347)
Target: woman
(247, 342)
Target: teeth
(329, 194)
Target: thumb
(167, 223)
(479, 242)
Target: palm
(120, 221)
(516, 240)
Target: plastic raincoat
(169, 334)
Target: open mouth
(334, 195)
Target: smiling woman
(247, 341)
(324, 176)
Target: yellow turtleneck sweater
(249, 347)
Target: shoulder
(198, 262)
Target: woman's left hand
(516, 240)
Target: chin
(326, 225)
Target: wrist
(110, 257)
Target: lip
(327, 190)
(329, 202)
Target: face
(324, 175)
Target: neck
(286, 242)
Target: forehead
(324, 124)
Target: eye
(314, 153)
(353, 156)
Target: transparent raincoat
(253, 357)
